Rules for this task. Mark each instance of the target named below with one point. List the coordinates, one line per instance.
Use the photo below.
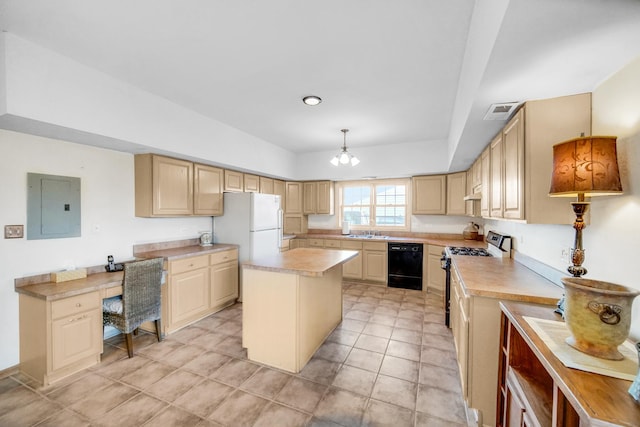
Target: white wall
(45, 87)
(612, 239)
(109, 226)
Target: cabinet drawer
(352, 245)
(73, 305)
(191, 263)
(225, 256)
(374, 246)
(316, 243)
(332, 244)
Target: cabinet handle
(84, 316)
(78, 305)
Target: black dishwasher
(405, 265)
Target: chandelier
(344, 157)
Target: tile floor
(391, 362)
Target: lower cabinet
(435, 274)
(61, 337)
(352, 269)
(198, 286)
(374, 261)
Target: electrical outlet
(13, 231)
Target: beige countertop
(171, 254)
(435, 240)
(302, 261)
(504, 278)
(42, 287)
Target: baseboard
(11, 370)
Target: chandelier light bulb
(344, 157)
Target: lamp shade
(587, 166)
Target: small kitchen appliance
(470, 232)
(205, 238)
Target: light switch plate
(13, 231)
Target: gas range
(464, 250)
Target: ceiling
(392, 72)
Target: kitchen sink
(367, 236)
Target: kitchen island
(291, 303)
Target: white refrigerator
(254, 222)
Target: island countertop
(303, 261)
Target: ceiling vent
(501, 111)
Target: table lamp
(584, 167)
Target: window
(375, 204)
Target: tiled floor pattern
(391, 362)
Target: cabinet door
(233, 181)
(456, 190)
(429, 194)
(189, 295)
(279, 189)
(495, 200)
(310, 194)
(324, 200)
(207, 190)
(476, 173)
(470, 206)
(294, 224)
(251, 183)
(436, 275)
(266, 185)
(375, 266)
(514, 414)
(485, 160)
(513, 184)
(76, 337)
(352, 269)
(293, 197)
(224, 283)
(172, 186)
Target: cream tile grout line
(43, 393)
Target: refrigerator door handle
(280, 228)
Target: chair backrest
(141, 287)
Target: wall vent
(501, 111)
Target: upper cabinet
(207, 190)
(172, 187)
(266, 185)
(293, 197)
(429, 194)
(517, 164)
(318, 197)
(164, 186)
(456, 190)
(251, 183)
(233, 181)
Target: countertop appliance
(405, 265)
(254, 222)
(497, 245)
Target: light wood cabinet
(476, 174)
(472, 207)
(163, 186)
(456, 190)
(496, 178)
(517, 175)
(198, 286)
(315, 243)
(429, 194)
(318, 197)
(513, 164)
(459, 317)
(233, 181)
(208, 190)
(299, 243)
(266, 185)
(374, 261)
(279, 189)
(435, 274)
(251, 183)
(352, 269)
(485, 160)
(61, 337)
(223, 278)
(293, 197)
(167, 187)
(294, 224)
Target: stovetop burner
(463, 250)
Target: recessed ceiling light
(312, 100)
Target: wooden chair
(140, 300)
